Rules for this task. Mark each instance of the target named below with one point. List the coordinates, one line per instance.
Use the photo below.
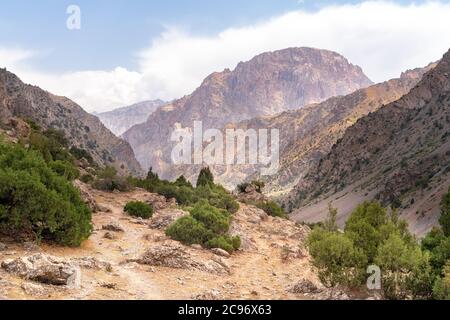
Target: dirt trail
(273, 261)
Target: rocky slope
(49, 111)
(399, 154)
(268, 84)
(129, 258)
(307, 134)
(122, 119)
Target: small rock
(164, 218)
(3, 246)
(108, 285)
(31, 247)
(304, 287)
(196, 246)
(93, 263)
(33, 289)
(220, 252)
(113, 226)
(45, 269)
(255, 293)
(102, 208)
(110, 236)
(208, 295)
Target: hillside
(122, 119)
(266, 85)
(399, 155)
(82, 130)
(307, 134)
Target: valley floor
(272, 261)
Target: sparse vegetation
(138, 209)
(256, 184)
(271, 208)
(186, 194)
(372, 236)
(37, 201)
(108, 180)
(206, 225)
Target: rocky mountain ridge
(83, 130)
(307, 134)
(121, 119)
(399, 154)
(268, 84)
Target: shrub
(79, 154)
(441, 288)
(87, 178)
(258, 185)
(399, 262)
(65, 169)
(336, 258)
(205, 178)
(207, 226)
(444, 219)
(271, 208)
(36, 201)
(189, 231)
(110, 184)
(372, 236)
(50, 147)
(218, 221)
(226, 242)
(139, 209)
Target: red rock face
(268, 84)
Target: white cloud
(384, 38)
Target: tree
(330, 223)
(336, 258)
(35, 200)
(405, 269)
(444, 220)
(151, 176)
(441, 289)
(205, 178)
(364, 227)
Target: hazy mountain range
(268, 84)
(122, 119)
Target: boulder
(109, 235)
(220, 252)
(168, 255)
(86, 195)
(44, 269)
(113, 226)
(209, 295)
(92, 263)
(158, 202)
(33, 289)
(3, 246)
(174, 255)
(304, 287)
(164, 218)
(31, 247)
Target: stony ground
(140, 262)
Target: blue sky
(147, 49)
(112, 30)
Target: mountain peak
(268, 84)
